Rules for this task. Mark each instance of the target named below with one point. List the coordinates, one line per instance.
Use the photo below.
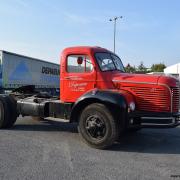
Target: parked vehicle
(97, 93)
(17, 71)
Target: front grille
(175, 98)
(154, 98)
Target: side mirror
(79, 60)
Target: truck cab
(97, 93)
(87, 68)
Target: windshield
(109, 62)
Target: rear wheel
(8, 113)
(13, 110)
(97, 126)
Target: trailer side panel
(20, 70)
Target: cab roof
(84, 49)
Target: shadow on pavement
(46, 125)
(160, 141)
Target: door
(79, 77)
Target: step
(56, 119)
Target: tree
(158, 67)
(141, 68)
(130, 69)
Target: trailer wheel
(97, 126)
(8, 114)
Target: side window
(79, 64)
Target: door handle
(71, 77)
(67, 78)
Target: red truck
(97, 93)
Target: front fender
(112, 99)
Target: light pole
(115, 19)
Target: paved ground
(36, 150)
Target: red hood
(169, 80)
(145, 79)
(134, 78)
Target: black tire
(8, 113)
(4, 112)
(98, 127)
(13, 109)
(3, 116)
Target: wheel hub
(95, 127)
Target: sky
(149, 31)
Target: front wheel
(97, 126)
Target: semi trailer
(18, 70)
(97, 93)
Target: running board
(56, 119)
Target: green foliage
(130, 69)
(158, 67)
(141, 68)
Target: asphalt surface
(52, 150)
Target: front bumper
(156, 120)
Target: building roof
(173, 69)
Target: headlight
(132, 106)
